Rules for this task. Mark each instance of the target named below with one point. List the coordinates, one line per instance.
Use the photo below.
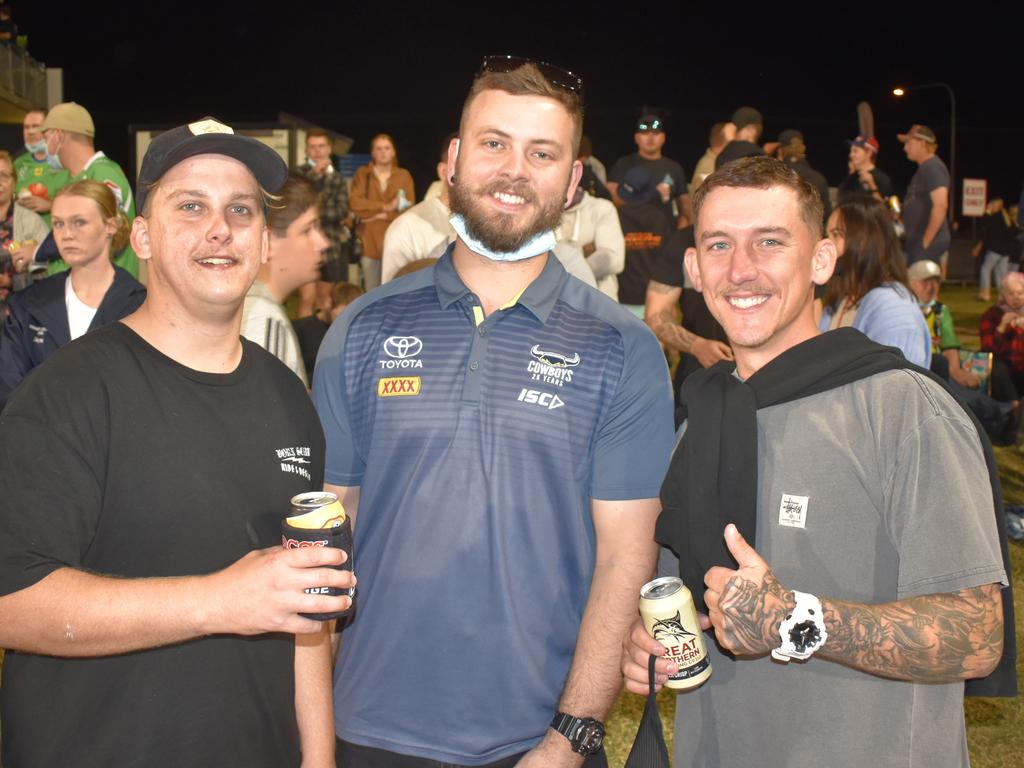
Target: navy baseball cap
(208, 136)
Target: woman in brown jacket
(380, 191)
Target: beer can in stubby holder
(317, 519)
(671, 618)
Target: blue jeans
(993, 265)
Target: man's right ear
(453, 159)
(140, 238)
(692, 268)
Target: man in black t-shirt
(700, 340)
(669, 176)
(644, 226)
(927, 201)
(151, 615)
(865, 178)
(792, 150)
(748, 125)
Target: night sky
(361, 69)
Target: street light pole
(952, 136)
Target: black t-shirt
(644, 225)
(931, 175)
(667, 268)
(817, 180)
(852, 186)
(310, 332)
(736, 149)
(662, 170)
(118, 460)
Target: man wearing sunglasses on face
(670, 176)
(498, 432)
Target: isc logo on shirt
(543, 399)
(397, 386)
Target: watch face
(590, 737)
(805, 635)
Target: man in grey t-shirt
(927, 200)
(871, 497)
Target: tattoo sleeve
(932, 638)
(754, 612)
(663, 321)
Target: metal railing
(22, 75)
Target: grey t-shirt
(930, 175)
(884, 488)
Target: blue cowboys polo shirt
(478, 444)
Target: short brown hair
(294, 198)
(5, 155)
(528, 80)
(343, 294)
(106, 202)
(762, 172)
(317, 133)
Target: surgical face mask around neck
(535, 246)
(38, 148)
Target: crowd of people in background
(628, 226)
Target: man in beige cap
(927, 200)
(69, 133)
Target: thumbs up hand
(746, 605)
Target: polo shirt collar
(539, 297)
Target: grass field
(995, 727)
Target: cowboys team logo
(402, 350)
(551, 367)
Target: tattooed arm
(659, 314)
(932, 638)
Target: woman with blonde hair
(380, 191)
(87, 228)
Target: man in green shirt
(69, 133)
(36, 182)
(925, 281)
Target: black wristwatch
(585, 734)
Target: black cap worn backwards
(208, 136)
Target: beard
(496, 230)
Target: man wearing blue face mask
(37, 182)
(69, 131)
(498, 432)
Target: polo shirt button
(473, 366)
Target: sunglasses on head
(556, 76)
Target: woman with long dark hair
(870, 290)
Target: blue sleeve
(343, 464)
(15, 360)
(889, 316)
(634, 442)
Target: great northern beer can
(318, 519)
(671, 618)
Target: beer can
(671, 618)
(318, 519)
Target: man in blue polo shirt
(499, 432)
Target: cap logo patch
(209, 125)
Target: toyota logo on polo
(402, 347)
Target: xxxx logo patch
(396, 386)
